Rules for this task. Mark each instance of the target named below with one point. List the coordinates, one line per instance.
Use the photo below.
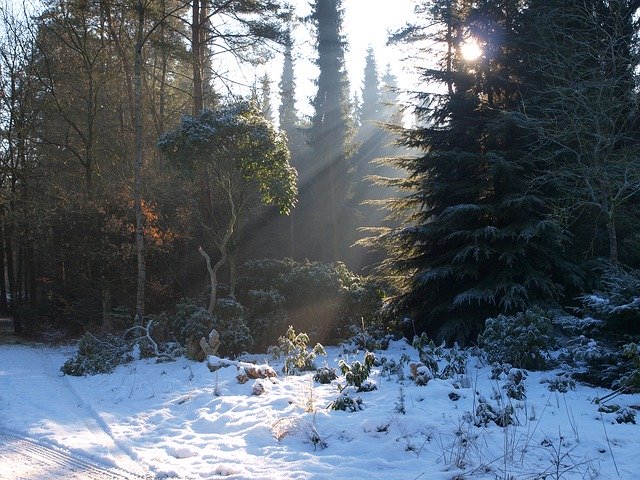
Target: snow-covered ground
(179, 420)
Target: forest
(142, 195)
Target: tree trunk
(137, 190)
(107, 318)
(198, 17)
(613, 241)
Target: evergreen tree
(329, 137)
(287, 113)
(265, 97)
(476, 239)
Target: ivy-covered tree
(239, 161)
(476, 240)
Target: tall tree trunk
(198, 18)
(137, 190)
(613, 241)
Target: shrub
(97, 355)
(321, 299)
(428, 353)
(357, 373)
(265, 315)
(297, 357)
(523, 340)
(618, 302)
(230, 322)
(346, 402)
(325, 375)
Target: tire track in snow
(93, 422)
(22, 458)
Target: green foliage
(190, 320)
(631, 380)
(97, 355)
(618, 302)
(428, 353)
(297, 357)
(346, 403)
(229, 319)
(235, 139)
(523, 340)
(456, 359)
(325, 375)
(357, 373)
(318, 298)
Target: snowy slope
(179, 420)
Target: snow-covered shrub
(346, 402)
(297, 356)
(613, 369)
(626, 415)
(357, 373)
(189, 321)
(230, 321)
(97, 355)
(562, 383)
(456, 359)
(499, 369)
(523, 340)
(486, 413)
(514, 386)
(618, 302)
(428, 353)
(325, 375)
(581, 349)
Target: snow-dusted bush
(357, 373)
(229, 319)
(294, 348)
(456, 359)
(486, 413)
(631, 380)
(97, 355)
(325, 375)
(523, 340)
(618, 302)
(514, 386)
(346, 402)
(428, 353)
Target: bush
(325, 375)
(229, 319)
(97, 355)
(357, 373)
(523, 340)
(346, 402)
(618, 302)
(321, 299)
(297, 356)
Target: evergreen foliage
(477, 240)
(332, 228)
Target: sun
(470, 50)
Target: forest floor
(179, 420)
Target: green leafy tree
(240, 161)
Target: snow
(180, 420)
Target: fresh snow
(180, 420)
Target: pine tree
(476, 240)
(287, 113)
(265, 97)
(329, 137)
